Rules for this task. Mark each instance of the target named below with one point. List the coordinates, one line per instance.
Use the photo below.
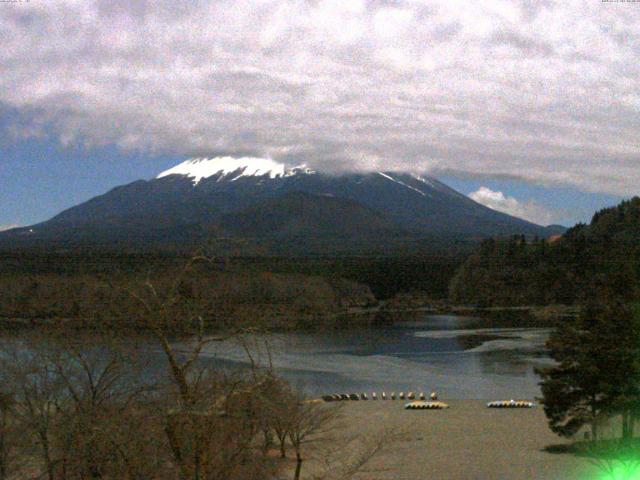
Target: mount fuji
(263, 203)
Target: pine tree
(597, 372)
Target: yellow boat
(510, 404)
(421, 405)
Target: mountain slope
(226, 197)
(298, 214)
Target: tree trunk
(196, 462)
(4, 446)
(3, 460)
(298, 466)
(268, 441)
(176, 451)
(47, 456)
(625, 425)
(93, 467)
(594, 419)
(283, 448)
(3, 452)
(178, 373)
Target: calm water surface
(457, 356)
(432, 353)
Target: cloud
(7, 227)
(530, 210)
(545, 91)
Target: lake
(457, 356)
(461, 357)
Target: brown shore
(467, 442)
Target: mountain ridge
(226, 197)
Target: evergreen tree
(597, 372)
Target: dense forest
(91, 287)
(600, 259)
(428, 268)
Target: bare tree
(309, 423)
(38, 394)
(8, 435)
(212, 423)
(351, 456)
(315, 431)
(101, 391)
(281, 420)
(78, 402)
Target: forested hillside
(599, 259)
(225, 298)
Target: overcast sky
(536, 92)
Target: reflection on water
(457, 356)
(460, 357)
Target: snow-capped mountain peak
(231, 169)
(261, 205)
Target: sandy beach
(467, 441)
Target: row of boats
(420, 401)
(422, 405)
(383, 396)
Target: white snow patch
(404, 184)
(199, 168)
(437, 185)
(424, 180)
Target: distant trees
(598, 369)
(599, 256)
(513, 272)
(92, 301)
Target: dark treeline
(286, 291)
(272, 300)
(89, 261)
(602, 258)
(385, 275)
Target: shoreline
(467, 441)
(378, 316)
